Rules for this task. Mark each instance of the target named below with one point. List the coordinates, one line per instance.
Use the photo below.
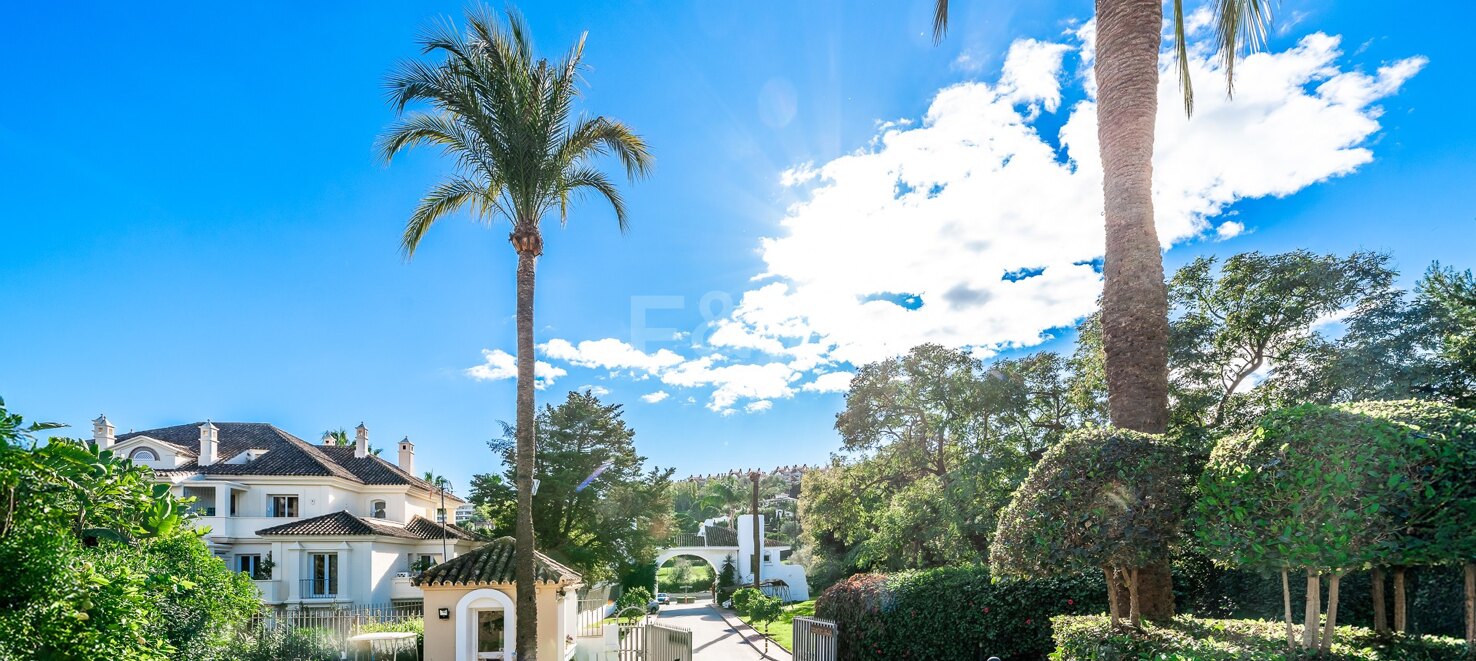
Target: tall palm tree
(506, 118)
(1134, 296)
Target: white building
(465, 513)
(715, 544)
(315, 525)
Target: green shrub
(953, 613)
(277, 643)
(1099, 499)
(744, 598)
(1092, 638)
(1334, 489)
(636, 597)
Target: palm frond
(592, 179)
(446, 198)
(1241, 26)
(1181, 50)
(940, 20)
(606, 136)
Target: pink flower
(1070, 602)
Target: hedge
(1092, 638)
(953, 613)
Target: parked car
(663, 598)
(653, 607)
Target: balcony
(402, 588)
(271, 591)
(318, 588)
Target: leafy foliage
(598, 509)
(953, 613)
(744, 598)
(637, 597)
(1100, 498)
(1309, 487)
(98, 564)
(1091, 637)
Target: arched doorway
(685, 573)
(485, 625)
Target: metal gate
(664, 643)
(814, 639)
(653, 642)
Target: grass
(699, 577)
(1090, 637)
(781, 631)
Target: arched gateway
(715, 543)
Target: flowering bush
(953, 613)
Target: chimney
(209, 444)
(361, 441)
(102, 433)
(407, 456)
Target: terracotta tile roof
(285, 455)
(343, 524)
(493, 565)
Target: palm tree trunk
(1314, 609)
(1380, 610)
(523, 571)
(1134, 298)
(1332, 611)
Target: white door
(490, 638)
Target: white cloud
(654, 397)
(760, 405)
(993, 226)
(608, 353)
(498, 365)
(830, 382)
(597, 391)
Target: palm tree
(506, 118)
(1134, 296)
(442, 486)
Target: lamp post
(442, 485)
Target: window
(143, 454)
(250, 564)
(235, 503)
(489, 634)
(280, 506)
(377, 509)
(324, 576)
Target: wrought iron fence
(332, 627)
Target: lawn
(698, 577)
(781, 631)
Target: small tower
(407, 455)
(102, 433)
(361, 441)
(209, 444)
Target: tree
(599, 509)
(1314, 488)
(1108, 500)
(1134, 320)
(1254, 311)
(506, 118)
(1451, 296)
(762, 611)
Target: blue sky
(195, 225)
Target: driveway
(712, 638)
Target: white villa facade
(315, 525)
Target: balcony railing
(318, 588)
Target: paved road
(712, 638)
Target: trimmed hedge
(1091, 638)
(953, 613)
